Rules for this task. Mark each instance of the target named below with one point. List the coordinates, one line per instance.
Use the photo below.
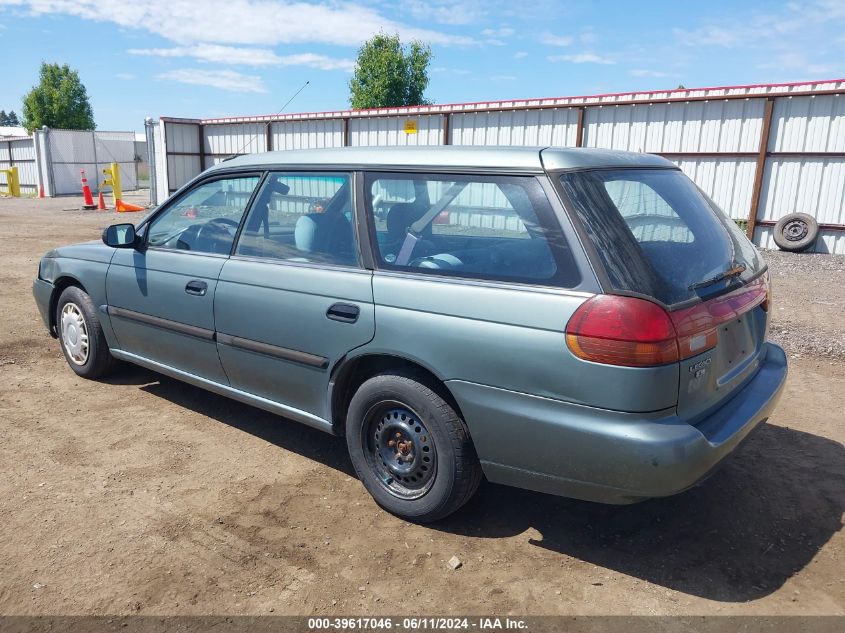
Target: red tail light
(631, 332)
(622, 331)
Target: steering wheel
(212, 232)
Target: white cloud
(502, 77)
(250, 22)
(125, 76)
(312, 60)
(644, 72)
(555, 40)
(215, 53)
(795, 19)
(520, 54)
(581, 58)
(444, 70)
(454, 12)
(228, 80)
(247, 56)
(502, 32)
(795, 61)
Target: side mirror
(119, 236)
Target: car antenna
(269, 123)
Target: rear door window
(657, 235)
(486, 227)
(302, 217)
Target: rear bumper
(608, 456)
(42, 291)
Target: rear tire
(410, 448)
(796, 232)
(81, 335)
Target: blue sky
(238, 57)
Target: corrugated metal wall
(368, 132)
(712, 134)
(555, 126)
(306, 134)
(810, 181)
(19, 152)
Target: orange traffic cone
(101, 202)
(86, 193)
(120, 205)
(41, 192)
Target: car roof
(450, 157)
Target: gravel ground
(807, 290)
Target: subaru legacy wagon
(574, 321)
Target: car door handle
(196, 287)
(343, 312)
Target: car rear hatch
(656, 236)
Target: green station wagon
(580, 322)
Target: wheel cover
(399, 450)
(74, 334)
(795, 230)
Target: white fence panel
(558, 127)
(380, 131)
(221, 141)
(20, 152)
(729, 182)
(307, 134)
(804, 185)
(183, 153)
(808, 124)
(694, 126)
(71, 151)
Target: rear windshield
(658, 235)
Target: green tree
(388, 74)
(59, 101)
(10, 119)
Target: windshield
(658, 235)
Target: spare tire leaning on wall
(796, 232)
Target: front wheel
(410, 448)
(81, 335)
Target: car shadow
(737, 537)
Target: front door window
(205, 219)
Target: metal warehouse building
(760, 151)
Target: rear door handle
(196, 287)
(343, 312)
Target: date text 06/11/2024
(416, 623)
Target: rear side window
(658, 235)
(486, 227)
(303, 217)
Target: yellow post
(12, 183)
(112, 179)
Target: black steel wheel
(796, 232)
(400, 449)
(410, 448)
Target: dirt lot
(145, 495)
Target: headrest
(305, 232)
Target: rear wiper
(736, 270)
